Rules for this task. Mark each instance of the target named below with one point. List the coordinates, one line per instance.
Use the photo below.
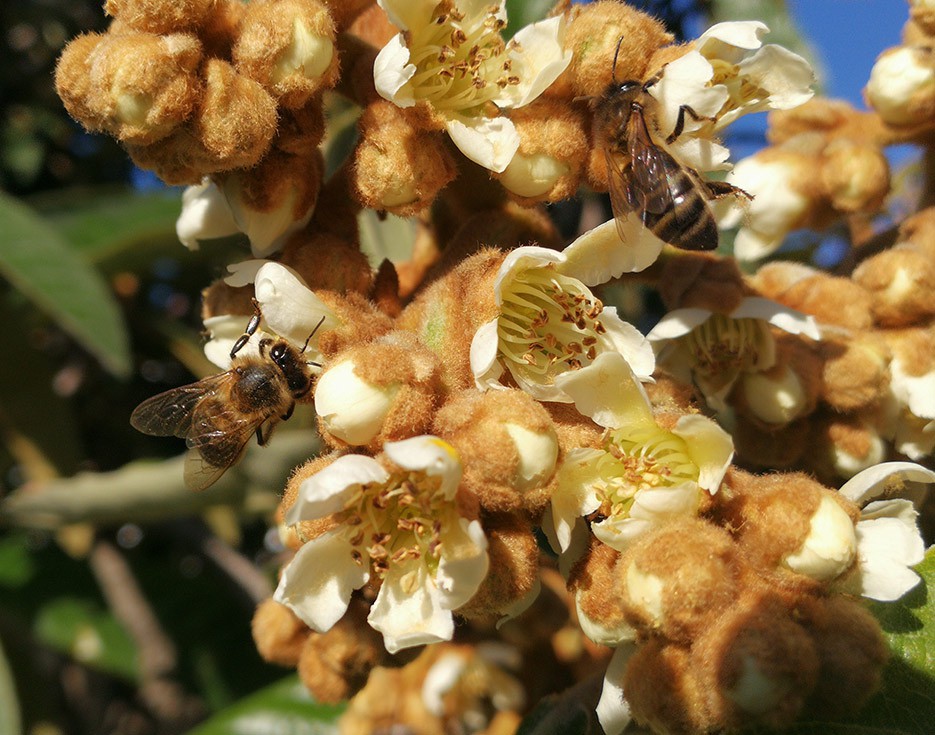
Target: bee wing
(623, 200)
(216, 440)
(652, 169)
(170, 413)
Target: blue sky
(848, 36)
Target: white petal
(440, 679)
(701, 154)
(225, 330)
(629, 341)
(485, 366)
(619, 533)
(597, 631)
(662, 503)
(889, 542)
(916, 392)
(289, 307)
(490, 142)
(599, 254)
(685, 82)
(463, 564)
(789, 320)
(392, 72)
(678, 323)
(875, 482)
(329, 490)
(244, 272)
(430, 455)
(475, 11)
(607, 392)
(205, 215)
(408, 610)
(317, 584)
(722, 39)
(537, 61)
(613, 711)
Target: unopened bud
(901, 87)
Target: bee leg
(718, 189)
(680, 122)
(288, 414)
(252, 326)
(261, 437)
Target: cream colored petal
(408, 609)
(330, 489)
(626, 339)
(408, 14)
(244, 272)
(537, 57)
(608, 392)
(267, 230)
(916, 392)
(701, 153)
(685, 82)
(205, 215)
(485, 366)
(613, 710)
(520, 259)
(709, 446)
(490, 142)
(289, 307)
(884, 479)
(431, 455)
(830, 545)
(599, 254)
(729, 40)
(786, 319)
(786, 76)
(392, 72)
(889, 542)
(575, 495)
(464, 563)
(678, 323)
(317, 584)
(225, 330)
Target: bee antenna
(613, 69)
(309, 338)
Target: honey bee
(217, 415)
(643, 177)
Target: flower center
(461, 64)
(740, 87)
(636, 459)
(396, 521)
(725, 346)
(549, 323)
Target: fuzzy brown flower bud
(678, 579)
(160, 16)
(901, 282)
(854, 370)
(398, 168)
(279, 635)
(237, 118)
(508, 447)
(288, 47)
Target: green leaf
(38, 261)
(521, 13)
(283, 707)
(88, 634)
(102, 224)
(906, 703)
(10, 723)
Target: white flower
(644, 474)
(613, 710)
(888, 539)
(712, 350)
(209, 212)
(778, 207)
(400, 527)
(550, 323)
(729, 73)
(452, 57)
(289, 309)
(205, 215)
